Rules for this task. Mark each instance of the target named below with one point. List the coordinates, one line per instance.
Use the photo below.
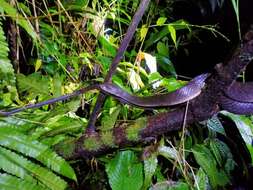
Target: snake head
(200, 80)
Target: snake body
(241, 92)
(244, 108)
(238, 98)
(184, 94)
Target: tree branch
(201, 108)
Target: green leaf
(43, 175)
(57, 84)
(150, 165)
(108, 48)
(34, 83)
(215, 150)
(166, 185)
(19, 19)
(162, 49)
(143, 32)
(21, 143)
(244, 124)
(166, 64)
(207, 161)
(38, 64)
(9, 182)
(172, 84)
(201, 180)
(125, 171)
(161, 21)
(60, 125)
(251, 152)
(154, 77)
(8, 91)
(167, 152)
(156, 37)
(215, 125)
(173, 34)
(109, 120)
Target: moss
(92, 143)
(107, 138)
(66, 149)
(132, 132)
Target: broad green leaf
(125, 171)
(216, 152)
(43, 175)
(208, 163)
(244, 124)
(167, 152)
(201, 182)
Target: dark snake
(236, 99)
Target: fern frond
(19, 142)
(8, 182)
(7, 77)
(41, 174)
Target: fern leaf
(43, 175)
(34, 84)
(21, 143)
(8, 182)
(7, 78)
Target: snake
(237, 98)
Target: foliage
(125, 171)
(72, 44)
(7, 77)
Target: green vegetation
(62, 46)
